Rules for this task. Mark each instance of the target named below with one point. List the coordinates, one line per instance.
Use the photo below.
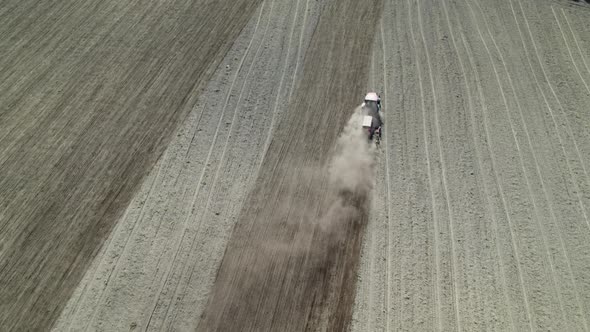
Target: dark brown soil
(90, 92)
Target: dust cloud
(307, 255)
(351, 167)
(351, 176)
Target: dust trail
(291, 262)
(351, 175)
(297, 271)
(351, 167)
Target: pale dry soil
(480, 215)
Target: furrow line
(557, 100)
(117, 267)
(211, 148)
(518, 149)
(443, 170)
(543, 187)
(388, 187)
(431, 186)
(582, 207)
(220, 164)
(276, 104)
(575, 40)
(301, 37)
(370, 230)
(569, 50)
(479, 158)
(499, 185)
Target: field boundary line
(220, 164)
(276, 104)
(115, 270)
(199, 184)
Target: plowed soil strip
(283, 270)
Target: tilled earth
(162, 165)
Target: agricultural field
(196, 165)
